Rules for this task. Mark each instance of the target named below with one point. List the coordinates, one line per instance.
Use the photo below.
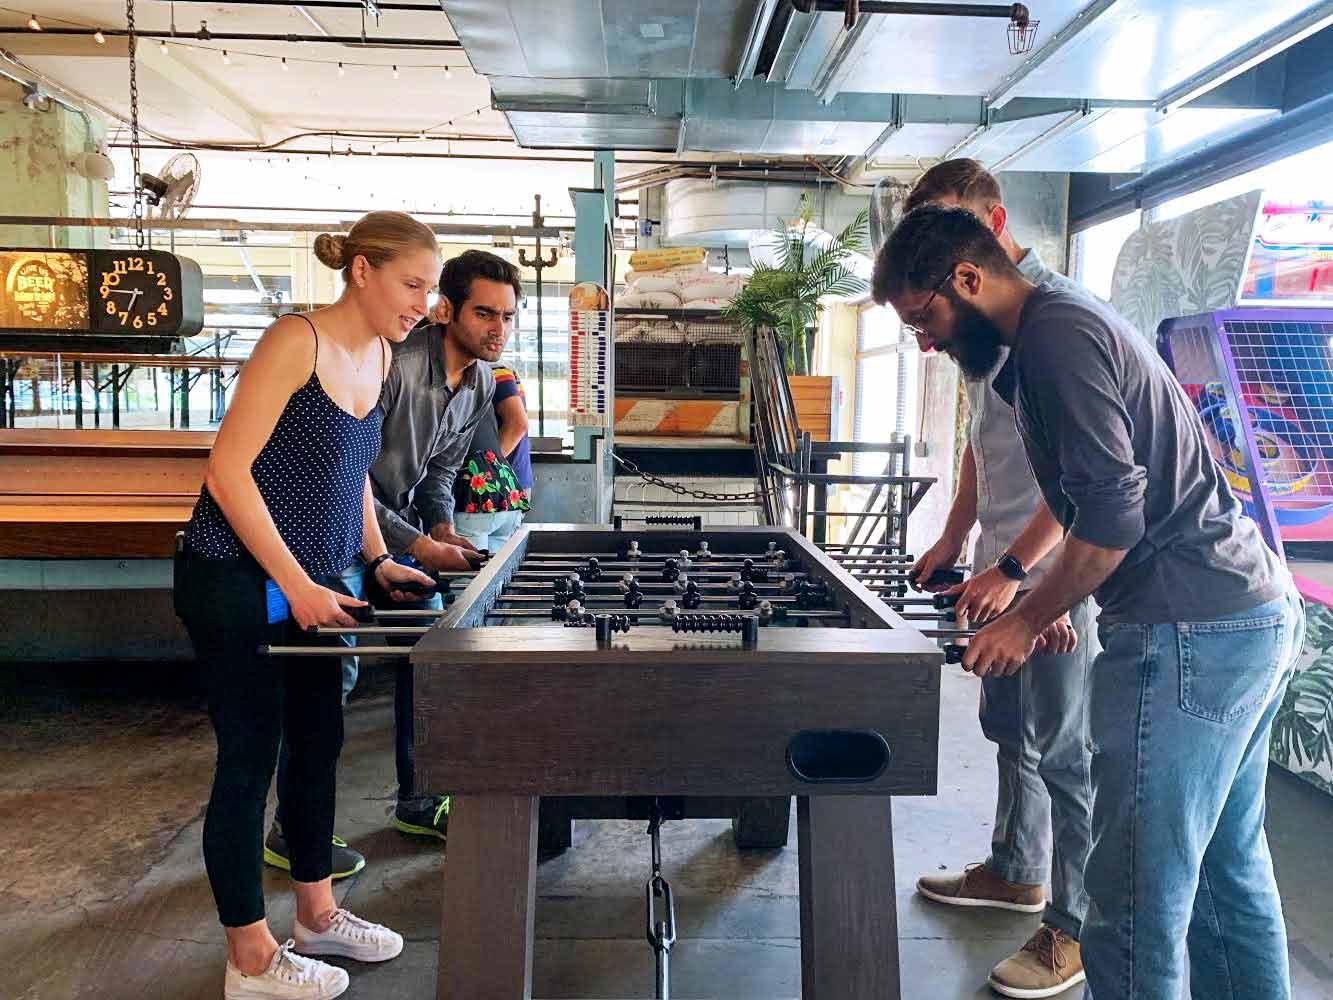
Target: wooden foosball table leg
(490, 898)
(849, 916)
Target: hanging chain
(685, 491)
(661, 933)
(133, 40)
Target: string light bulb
(284, 64)
(448, 73)
(341, 70)
(395, 72)
(98, 37)
(33, 23)
(226, 59)
(162, 45)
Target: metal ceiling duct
(662, 39)
(701, 212)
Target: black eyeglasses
(913, 328)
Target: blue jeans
(488, 531)
(1180, 720)
(353, 580)
(1038, 719)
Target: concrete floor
(104, 774)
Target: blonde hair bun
(329, 250)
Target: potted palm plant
(786, 296)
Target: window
(886, 383)
(1095, 250)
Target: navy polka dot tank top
(311, 474)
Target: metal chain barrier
(133, 41)
(685, 491)
(661, 933)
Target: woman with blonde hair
(284, 523)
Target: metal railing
(795, 481)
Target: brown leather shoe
(978, 886)
(1048, 964)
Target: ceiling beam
(369, 41)
(1249, 55)
(183, 76)
(339, 4)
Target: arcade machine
(1261, 378)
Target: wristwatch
(1012, 568)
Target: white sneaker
(350, 937)
(288, 977)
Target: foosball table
(659, 674)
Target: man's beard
(976, 341)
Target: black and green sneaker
(345, 860)
(427, 816)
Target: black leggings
(251, 700)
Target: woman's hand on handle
(313, 605)
(389, 573)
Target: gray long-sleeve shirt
(1121, 458)
(427, 429)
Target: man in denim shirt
(1200, 623)
(1038, 717)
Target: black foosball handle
(953, 652)
(607, 625)
(940, 578)
(943, 602)
(417, 587)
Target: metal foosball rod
(534, 579)
(338, 650)
(830, 547)
(549, 571)
(655, 614)
(705, 597)
(869, 558)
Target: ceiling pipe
(1012, 12)
(383, 154)
(248, 36)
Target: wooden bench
(96, 494)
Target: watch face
(135, 292)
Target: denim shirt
(427, 430)
(1007, 492)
